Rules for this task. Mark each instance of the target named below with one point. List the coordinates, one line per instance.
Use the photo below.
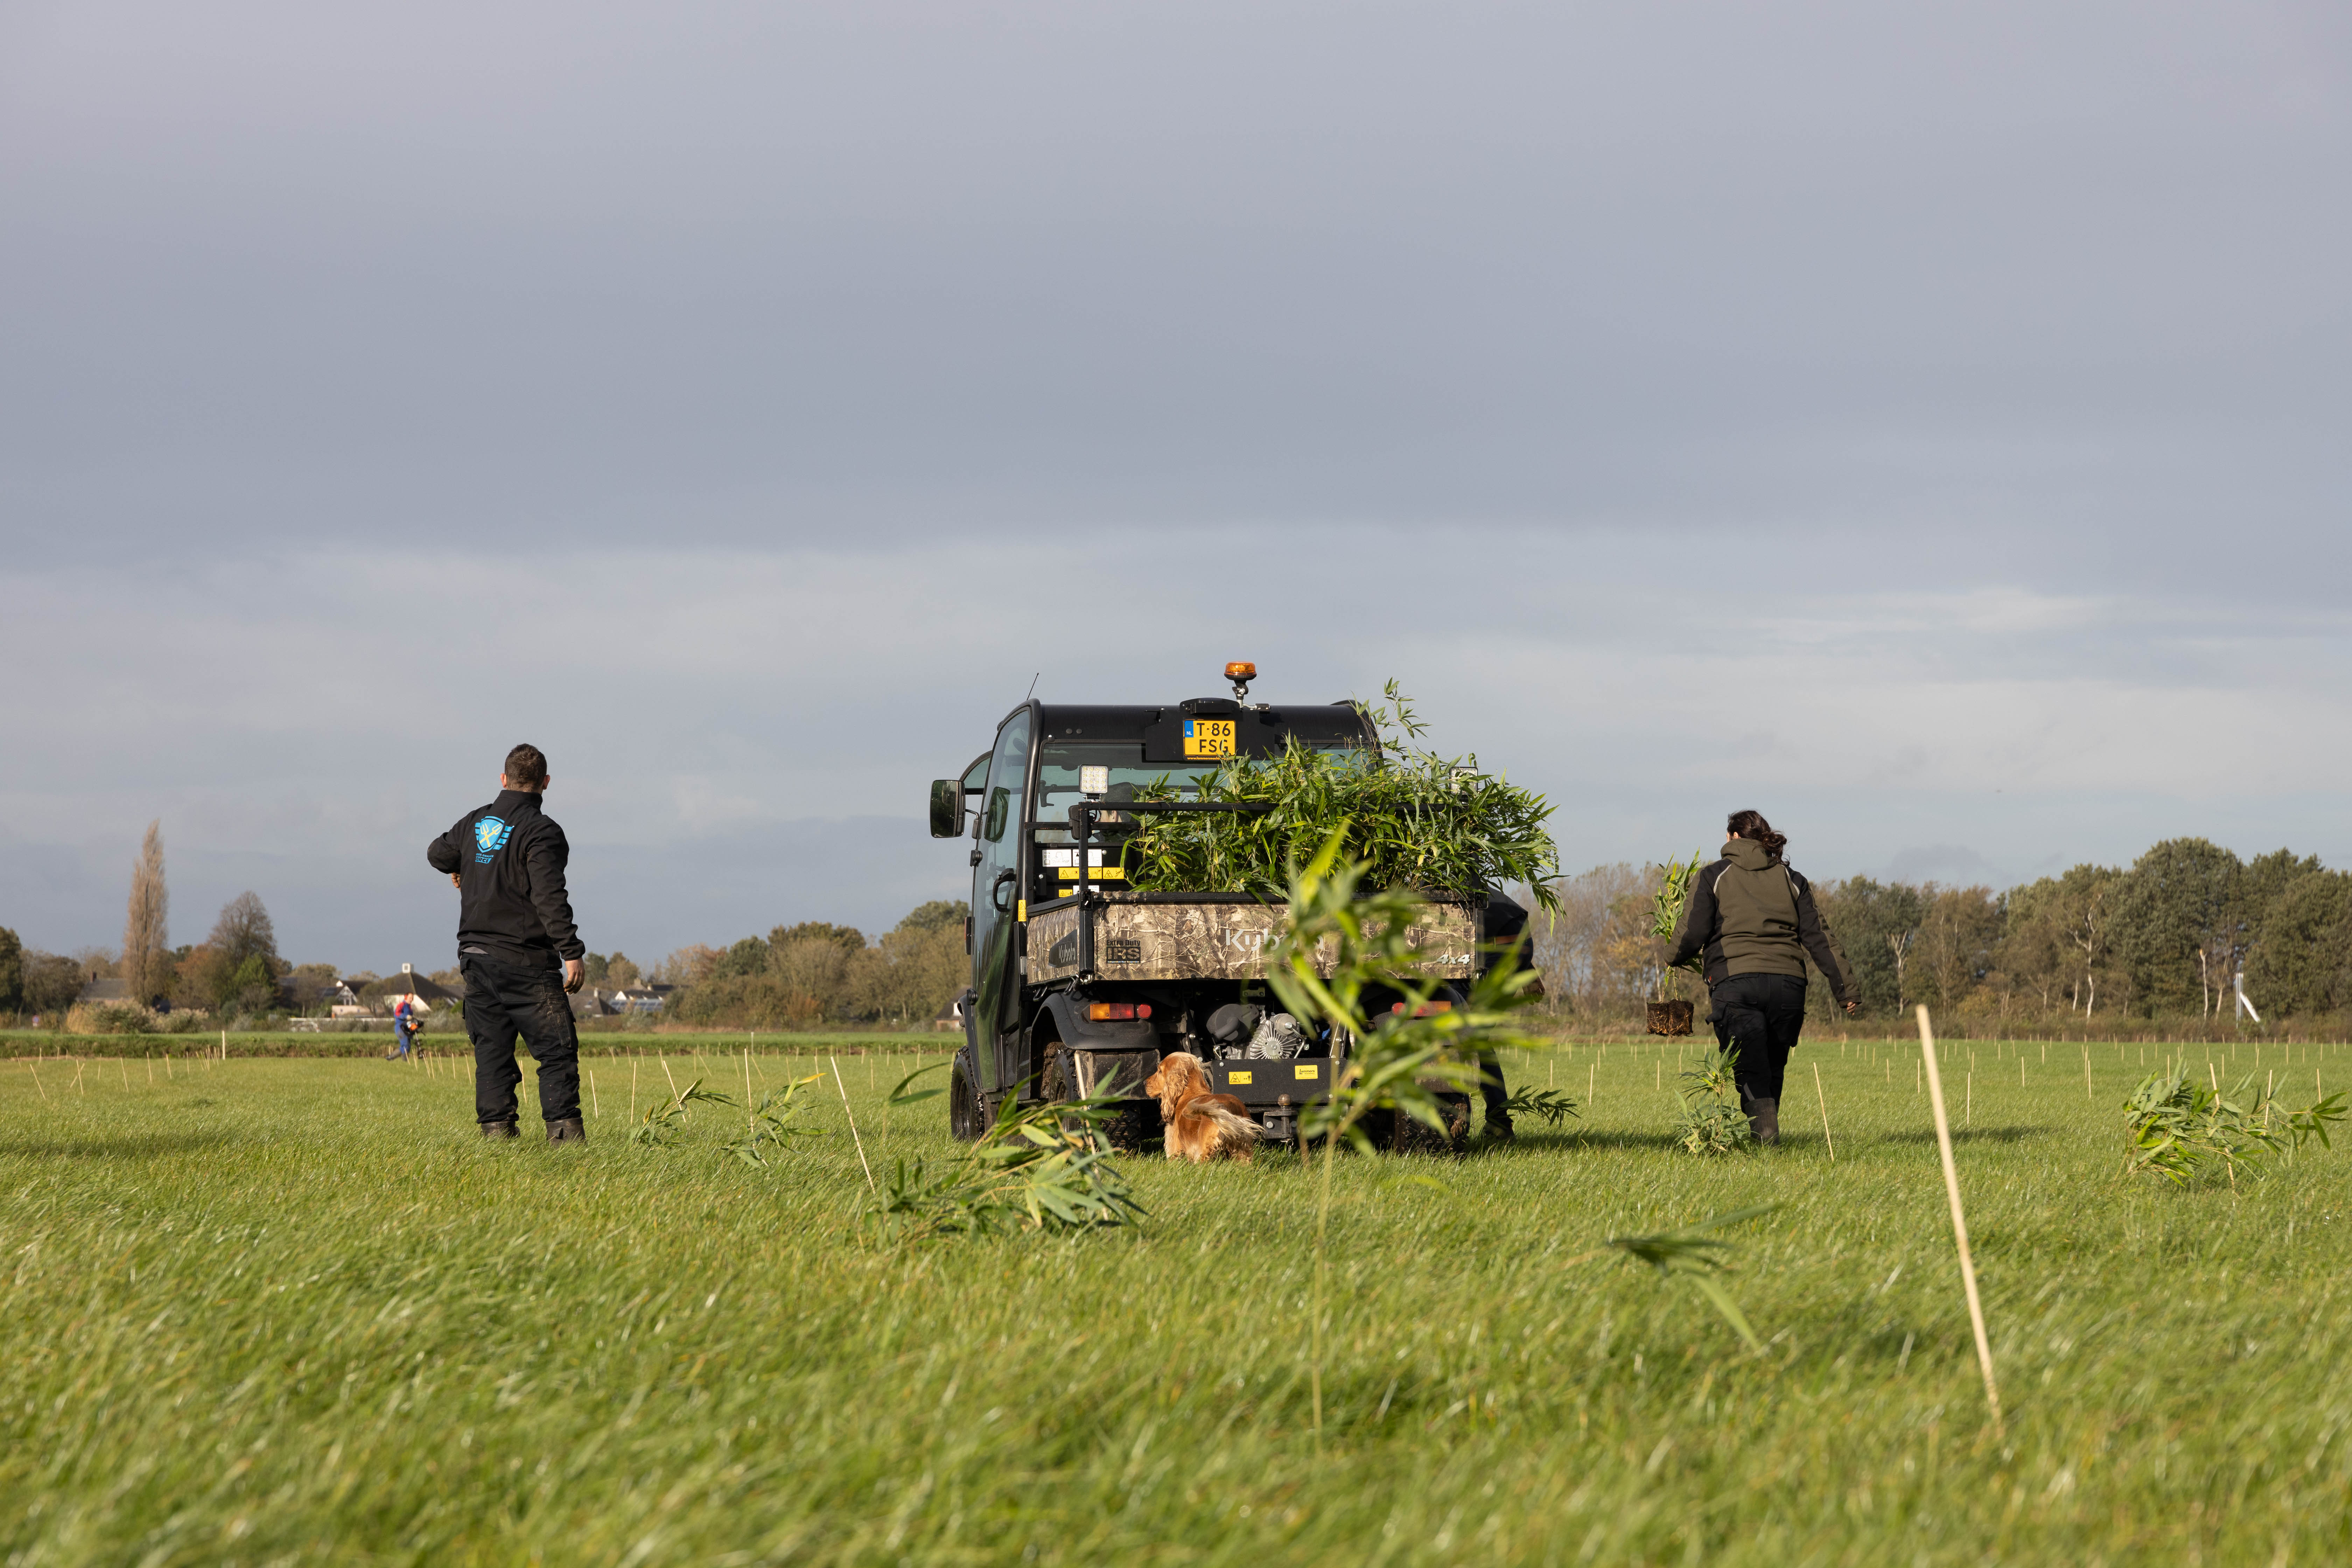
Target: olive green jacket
(1750, 914)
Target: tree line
(801, 976)
(2161, 943)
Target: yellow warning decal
(1021, 908)
(1310, 1070)
(1237, 1076)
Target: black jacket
(510, 858)
(1750, 914)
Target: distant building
(342, 1000)
(641, 998)
(106, 992)
(424, 995)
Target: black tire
(966, 1118)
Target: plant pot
(1670, 1017)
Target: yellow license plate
(1209, 737)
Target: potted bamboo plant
(1669, 1011)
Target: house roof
(106, 991)
(408, 983)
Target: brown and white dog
(1201, 1125)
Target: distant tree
(621, 970)
(745, 958)
(1958, 931)
(2301, 962)
(12, 972)
(847, 938)
(309, 984)
(1875, 925)
(244, 931)
(146, 961)
(2181, 924)
(252, 987)
(51, 983)
(234, 963)
(597, 966)
(937, 915)
(686, 966)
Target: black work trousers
(1759, 1015)
(1491, 1089)
(503, 1001)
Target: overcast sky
(1924, 423)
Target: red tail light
(1101, 1012)
(1424, 1010)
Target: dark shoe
(501, 1130)
(567, 1132)
(1764, 1116)
(1500, 1131)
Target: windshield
(1057, 776)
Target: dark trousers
(1490, 1089)
(1759, 1015)
(503, 1001)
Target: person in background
(514, 929)
(1753, 919)
(404, 1028)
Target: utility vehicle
(1078, 981)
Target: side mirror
(947, 808)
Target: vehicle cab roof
(1261, 729)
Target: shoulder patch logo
(490, 836)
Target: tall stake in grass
(36, 1082)
(853, 1126)
(1960, 1219)
(1824, 1102)
(595, 1106)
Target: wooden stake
(595, 1106)
(1960, 1219)
(37, 1082)
(633, 1092)
(672, 1079)
(1824, 1100)
(853, 1126)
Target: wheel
(966, 1118)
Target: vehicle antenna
(1032, 688)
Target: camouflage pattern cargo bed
(1191, 936)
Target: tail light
(1104, 1012)
(1425, 1010)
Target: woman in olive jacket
(1754, 920)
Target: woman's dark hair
(1751, 825)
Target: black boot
(500, 1129)
(567, 1132)
(1764, 1117)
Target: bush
(110, 1018)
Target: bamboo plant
(1409, 819)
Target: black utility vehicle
(1079, 983)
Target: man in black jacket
(514, 923)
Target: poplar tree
(145, 944)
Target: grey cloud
(1924, 425)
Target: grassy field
(287, 1311)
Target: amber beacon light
(1240, 672)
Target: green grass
(274, 1311)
